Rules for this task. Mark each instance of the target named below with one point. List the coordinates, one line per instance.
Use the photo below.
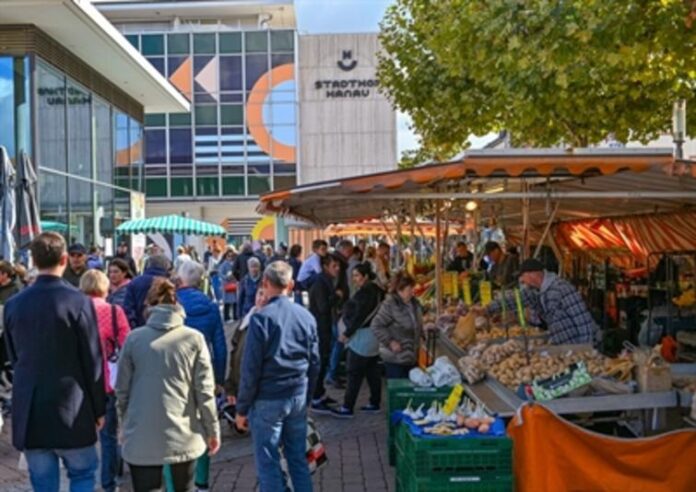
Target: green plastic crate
(399, 393)
(450, 457)
(488, 482)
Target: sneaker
(329, 401)
(321, 407)
(370, 409)
(342, 413)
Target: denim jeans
(336, 353)
(44, 469)
(276, 423)
(110, 450)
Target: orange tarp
(553, 455)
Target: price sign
(486, 290)
(466, 288)
(453, 399)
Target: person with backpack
(113, 330)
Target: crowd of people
(137, 360)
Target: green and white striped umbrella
(173, 224)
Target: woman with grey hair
(246, 292)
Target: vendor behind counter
(555, 301)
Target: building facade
(74, 115)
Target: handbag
(113, 358)
(231, 287)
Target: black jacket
(7, 291)
(460, 264)
(359, 308)
(58, 392)
(240, 267)
(322, 302)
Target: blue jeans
(336, 353)
(44, 469)
(276, 423)
(110, 450)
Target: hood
(194, 302)
(155, 272)
(165, 317)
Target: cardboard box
(654, 379)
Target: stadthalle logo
(346, 88)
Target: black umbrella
(28, 222)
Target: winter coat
(7, 291)
(237, 342)
(246, 295)
(118, 296)
(241, 265)
(165, 391)
(226, 273)
(401, 322)
(136, 295)
(203, 315)
(53, 345)
(322, 303)
(72, 277)
(110, 341)
(359, 308)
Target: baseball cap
(531, 265)
(77, 248)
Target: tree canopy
(571, 71)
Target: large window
(52, 135)
(79, 105)
(227, 146)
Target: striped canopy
(172, 224)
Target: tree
(547, 71)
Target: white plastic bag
(420, 377)
(444, 373)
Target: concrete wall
(347, 127)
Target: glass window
(277, 60)
(152, 44)
(155, 119)
(182, 187)
(231, 114)
(103, 135)
(256, 42)
(180, 150)
(79, 131)
(122, 151)
(155, 146)
(105, 211)
(207, 186)
(232, 98)
(155, 170)
(179, 119)
(81, 212)
(7, 105)
(230, 73)
(204, 43)
(230, 42)
(259, 184)
(53, 196)
(51, 121)
(256, 66)
(178, 44)
(136, 147)
(283, 182)
(156, 187)
(282, 41)
(158, 63)
(233, 185)
(206, 115)
(133, 39)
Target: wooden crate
(654, 379)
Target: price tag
(453, 399)
(486, 290)
(466, 287)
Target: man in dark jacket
(136, 292)
(59, 397)
(241, 263)
(463, 259)
(77, 265)
(322, 305)
(279, 368)
(122, 252)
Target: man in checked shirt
(555, 302)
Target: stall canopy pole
(552, 217)
(438, 257)
(525, 221)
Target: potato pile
(513, 331)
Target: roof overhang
(278, 13)
(81, 29)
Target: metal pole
(438, 258)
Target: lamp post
(679, 127)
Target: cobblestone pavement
(356, 448)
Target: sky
(349, 16)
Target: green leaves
(547, 71)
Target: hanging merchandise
(486, 292)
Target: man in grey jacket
(279, 369)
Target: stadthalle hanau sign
(347, 126)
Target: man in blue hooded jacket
(137, 289)
(203, 315)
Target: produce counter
(501, 400)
